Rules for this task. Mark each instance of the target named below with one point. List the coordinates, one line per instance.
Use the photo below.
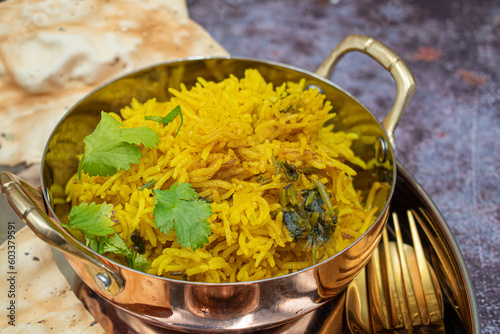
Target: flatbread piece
(43, 300)
(53, 53)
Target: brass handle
(28, 203)
(391, 62)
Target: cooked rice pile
(233, 133)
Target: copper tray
(460, 309)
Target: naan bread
(52, 53)
(44, 301)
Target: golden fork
(403, 291)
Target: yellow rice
(231, 133)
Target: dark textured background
(449, 136)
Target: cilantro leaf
(92, 242)
(112, 147)
(180, 209)
(168, 118)
(93, 219)
(114, 244)
(139, 262)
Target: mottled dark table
(448, 138)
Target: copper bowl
(204, 307)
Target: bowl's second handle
(29, 205)
(391, 62)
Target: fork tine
(411, 298)
(440, 255)
(400, 287)
(427, 285)
(390, 280)
(380, 314)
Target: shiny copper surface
(461, 314)
(329, 319)
(198, 307)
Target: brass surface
(432, 291)
(390, 61)
(412, 293)
(416, 309)
(357, 311)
